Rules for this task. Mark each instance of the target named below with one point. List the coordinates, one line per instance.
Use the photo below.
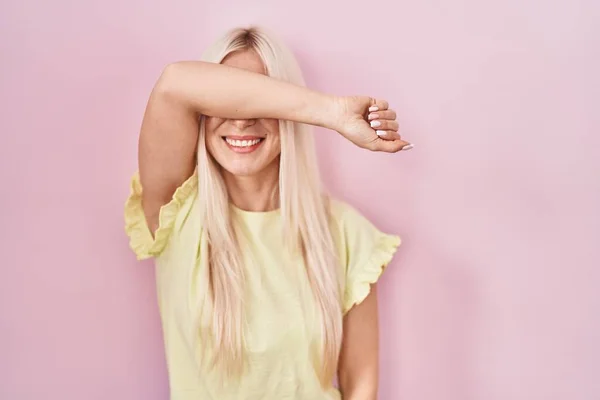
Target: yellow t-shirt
(280, 326)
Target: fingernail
(380, 133)
(373, 116)
(408, 147)
(375, 124)
(373, 108)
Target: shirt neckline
(254, 214)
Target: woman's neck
(259, 192)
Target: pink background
(495, 294)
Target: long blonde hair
(304, 214)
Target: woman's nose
(243, 123)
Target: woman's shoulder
(353, 229)
(342, 212)
(363, 249)
(338, 208)
(351, 224)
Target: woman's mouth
(243, 144)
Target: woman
(265, 285)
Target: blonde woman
(266, 286)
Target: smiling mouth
(243, 145)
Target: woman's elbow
(167, 83)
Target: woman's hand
(369, 123)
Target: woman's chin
(251, 166)
(244, 168)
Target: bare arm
(227, 92)
(186, 90)
(166, 149)
(359, 358)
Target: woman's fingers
(379, 105)
(391, 146)
(393, 136)
(388, 135)
(384, 114)
(383, 121)
(384, 124)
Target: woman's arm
(358, 367)
(227, 92)
(186, 90)
(234, 93)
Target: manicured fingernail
(373, 116)
(373, 108)
(408, 147)
(380, 133)
(375, 124)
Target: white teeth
(242, 143)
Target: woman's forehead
(245, 59)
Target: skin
(239, 100)
(358, 371)
(250, 178)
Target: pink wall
(494, 295)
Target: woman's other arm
(359, 357)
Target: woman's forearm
(227, 92)
(359, 389)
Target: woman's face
(244, 147)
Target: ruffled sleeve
(140, 238)
(366, 253)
